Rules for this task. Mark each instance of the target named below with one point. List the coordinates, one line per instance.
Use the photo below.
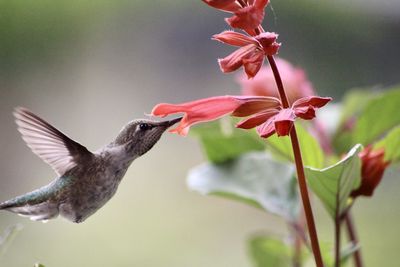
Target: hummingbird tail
(39, 212)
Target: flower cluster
(265, 113)
(254, 45)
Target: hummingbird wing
(51, 145)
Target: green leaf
(391, 144)
(253, 178)
(267, 251)
(311, 151)
(379, 116)
(353, 104)
(38, 265)
(334, 184)
(221, 141)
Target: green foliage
(391, 144)
(38, 265)
(7, 237)
(311, 151)
(379, 116)
(221, 141)
(345, 253)
(352, 105)
(334, 184)
(253, 178)
(268, 251)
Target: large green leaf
(379, 116)
(334, 184)
(311, 151)
(254, 178)
(391, 144)
(221, 141)
(267, 251)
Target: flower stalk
(300, 171)
(353, 238)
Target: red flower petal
(372, 170)
(306, 113)
(225, 5)
(315, 101)
(235, 60)
(255, 104)
(247, 18)
(257, 119)
(253, 63)
(234, 38)
(266, 129)
(305, 107)
(266, 38)
(284, 121)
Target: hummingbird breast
(93, 186)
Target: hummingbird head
(139, 136)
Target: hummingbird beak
(172, 122)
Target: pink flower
(281, 121)
(295, 80)
(372, 170)
(251, 53)
(266, 113)
(247, 17)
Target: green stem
(300, 170)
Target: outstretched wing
(51, 145)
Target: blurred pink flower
(294, 79)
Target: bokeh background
(88, 67)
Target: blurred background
(88, 67)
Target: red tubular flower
(251, 53)
(212, 108)
(266, 113)
(372, 170)
(247, 18)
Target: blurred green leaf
(347, 251)
(391, 144)
(379, 116)
(221, 141)
(38, 265)
(253, 178)
(310, 149)
(267, 251)
(8, 236)
(334, 184)
(352, 105)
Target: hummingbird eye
(144, 126)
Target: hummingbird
(85, 180)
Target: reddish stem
(354, 239)
(300, 170)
